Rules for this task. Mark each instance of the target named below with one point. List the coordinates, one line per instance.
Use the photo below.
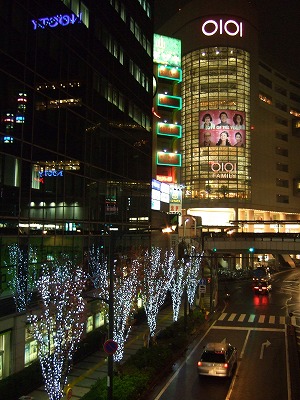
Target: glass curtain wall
(216, 81)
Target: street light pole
(110, 363)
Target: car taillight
(226, 365)
(199, 363)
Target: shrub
(21, 383)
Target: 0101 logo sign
(223, 169)
(229, 27)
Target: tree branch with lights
(59, 326)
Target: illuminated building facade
(75, 137)
(240, 120)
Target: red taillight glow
(226, 365)
(199, 363)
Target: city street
(257, 326)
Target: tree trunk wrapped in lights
(177, 285)
(158, 272)
(125, 281)
(60, 324)
(193, 275)
(23, 275)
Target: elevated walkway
(278, 243)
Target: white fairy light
(157, 276)
(177, 286)
(23, 275)
(60, 324)
(193, 276)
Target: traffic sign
(202, 288)
(202, 281)
(110, 346)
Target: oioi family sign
(229, 27)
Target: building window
(5, 353)
(281, 106)
(282, 167)
(265, 98)
(78, 7)
(280, 90)
(282, 152)
(265, 81)
(282, 136)
(280, 198)
(281, 121)
(264, 66)
(295, 97)
(282, 183)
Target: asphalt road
(258, 327)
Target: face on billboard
(222, 128)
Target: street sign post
(202, 288)
(110, 346)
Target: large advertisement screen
(222, 128)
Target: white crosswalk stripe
(253, 318)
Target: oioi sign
(223, 169)
(229, 27)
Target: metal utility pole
(110, 364)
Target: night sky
(279, 25)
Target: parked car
(218, 359)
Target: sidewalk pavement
(86, 372)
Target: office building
(75, 138)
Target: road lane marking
(241, 317)
(183, 363)
(238, 367)
(251, 318)
(222, 317)
(232, 316)
(282, 320)
(261, 319)
(287, 364)
(246, 328)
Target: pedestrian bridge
(255, 243)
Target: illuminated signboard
(165, 193)
(223, 128)
(171, 73)
(160, 194)
(229, 27)
(167, 50)
(172, 159)
(175, 199)
(223, 170)
(169, 130)
(51, 173)
(56, 20)
(165, 100)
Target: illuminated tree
(60, 324)
(98, 267)
(23, 275)
(177, 285)
(157, 274)
(125, 292)
(193, 275)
